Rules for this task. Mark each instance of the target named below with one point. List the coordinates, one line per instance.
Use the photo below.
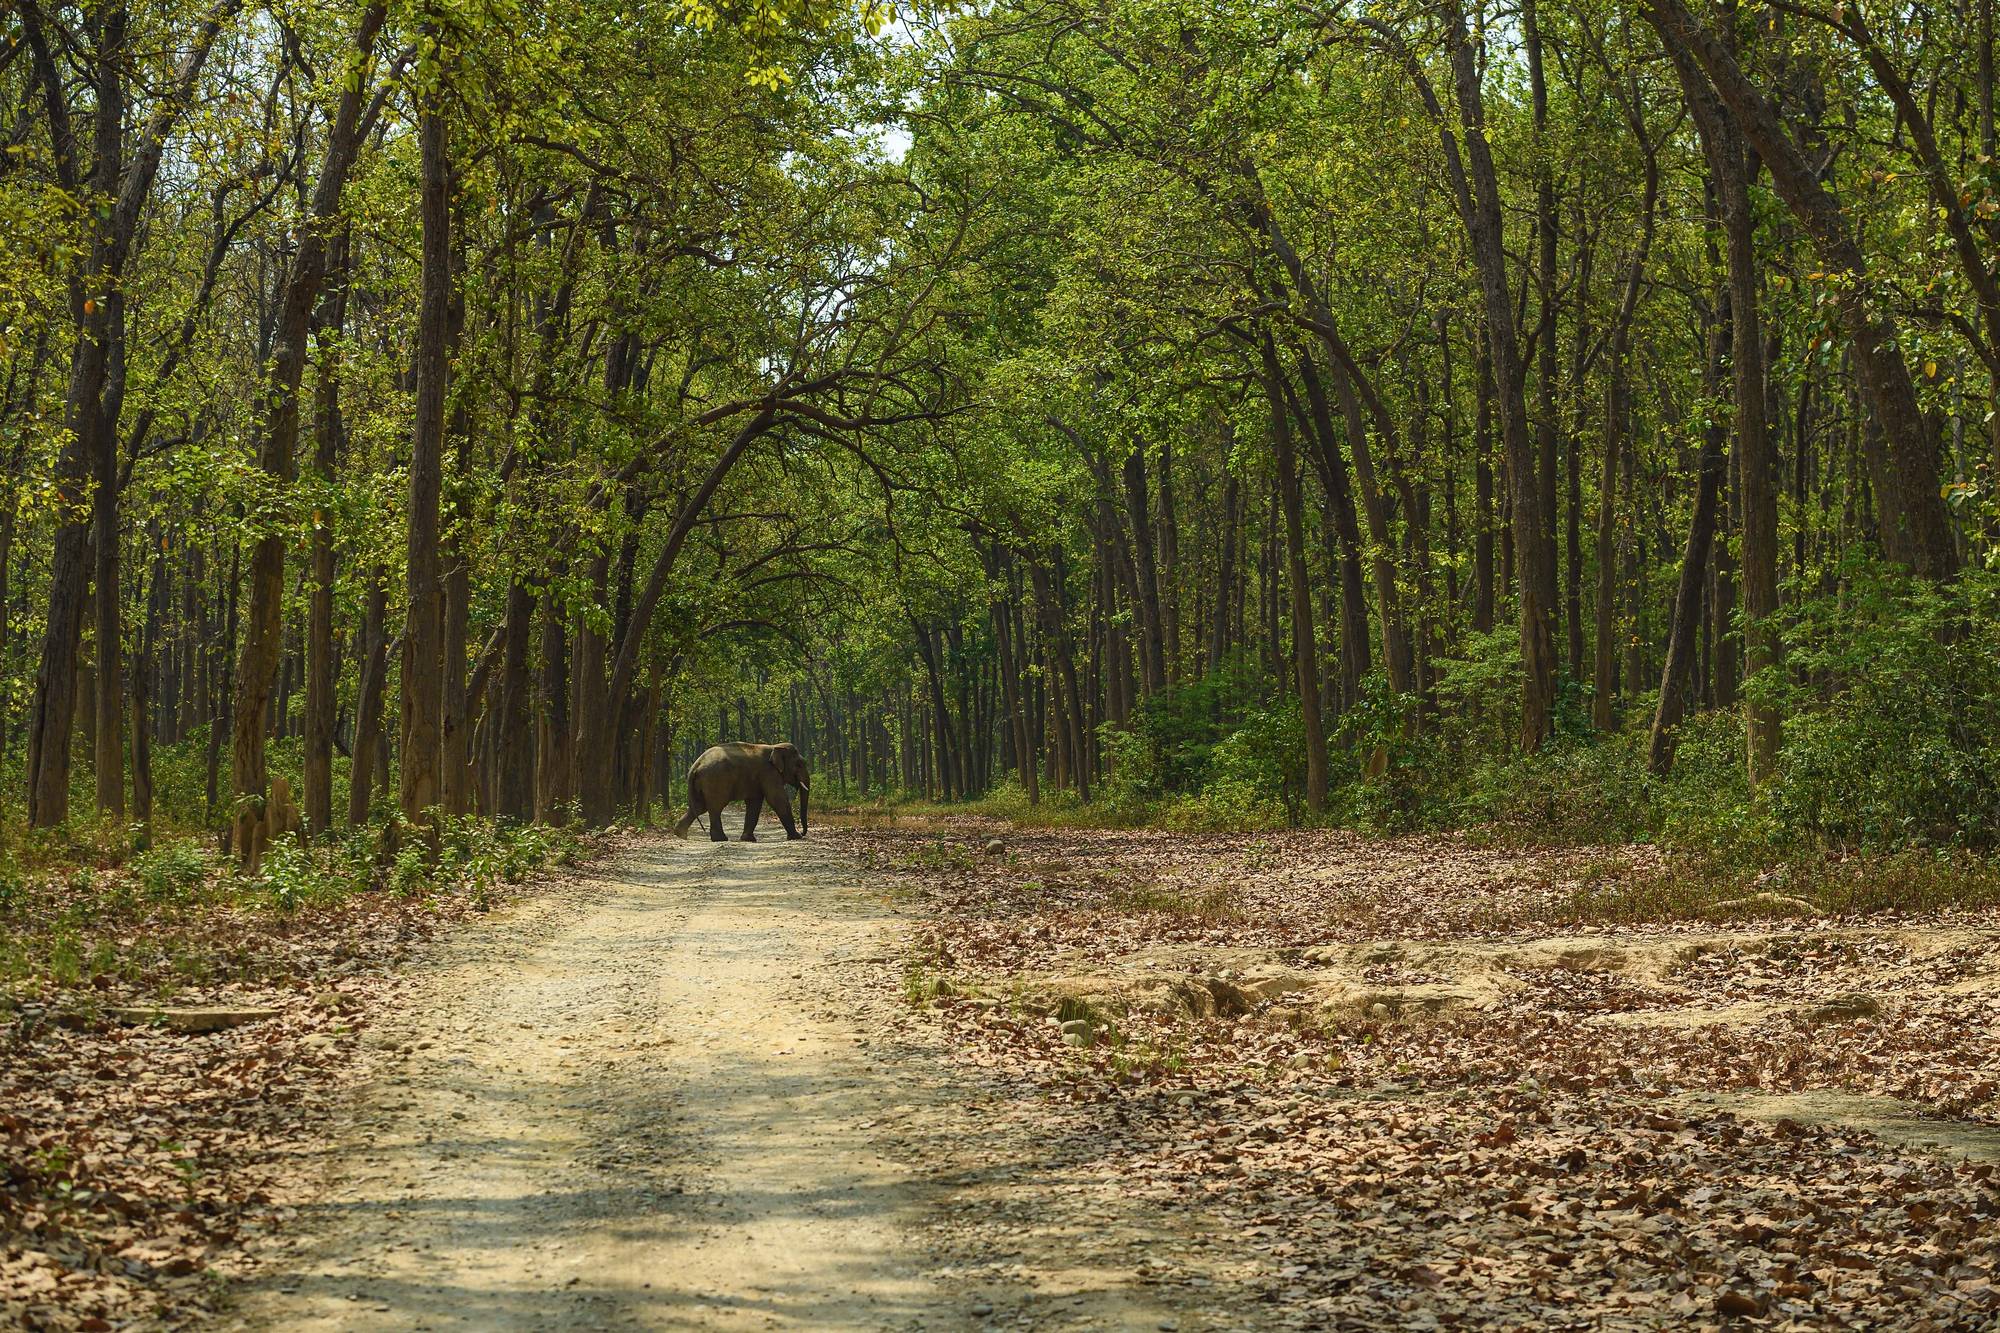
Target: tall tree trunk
(109, 734)
(142, 675)
(89, 437)
(368, 738)
(1617, 424)
(1170, 560)
(1580, 352)
(592, 743)
(423, 637)
(951, 782)
(221, 664)
(1025, 762)
(1055, 630)
(1476, 188)
(1482, 481)
(316, 790)
(117, 190)
(555, 774)
(457, 713)
(1755, 449)
(514, 753)
(1546, 374)
(1138, 511)
(10, 508)
(277, 432)
(1225, 573)
(1305, 656)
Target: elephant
(751, 773)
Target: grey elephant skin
(756, 775)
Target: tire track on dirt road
(653, 1102)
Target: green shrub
(1058, 807)
(1571, 791)
(1133, 779)
(1263, 761)
(15, 889)
(1478, 691)
(1894, 738)
(1223, 806)
(1414, 789)
(168, 872)
(1188, 737)
(297, 875)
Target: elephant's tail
(694, 809)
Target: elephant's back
(727, 754)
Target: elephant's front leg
(782, 804)
(753, 805)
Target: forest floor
(897, 1076)
(1415, 1082)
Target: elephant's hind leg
(753, 806)
(715, 833)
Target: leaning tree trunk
(1916, 525)
(1343, 540)
(1685, 631)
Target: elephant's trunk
(804, 799)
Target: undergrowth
(176, 913)
(1886, 795)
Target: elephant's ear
(786, 759)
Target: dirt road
(671, 1097)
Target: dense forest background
(1578, 418)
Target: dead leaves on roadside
(1543, 1163)
(136, 1163)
